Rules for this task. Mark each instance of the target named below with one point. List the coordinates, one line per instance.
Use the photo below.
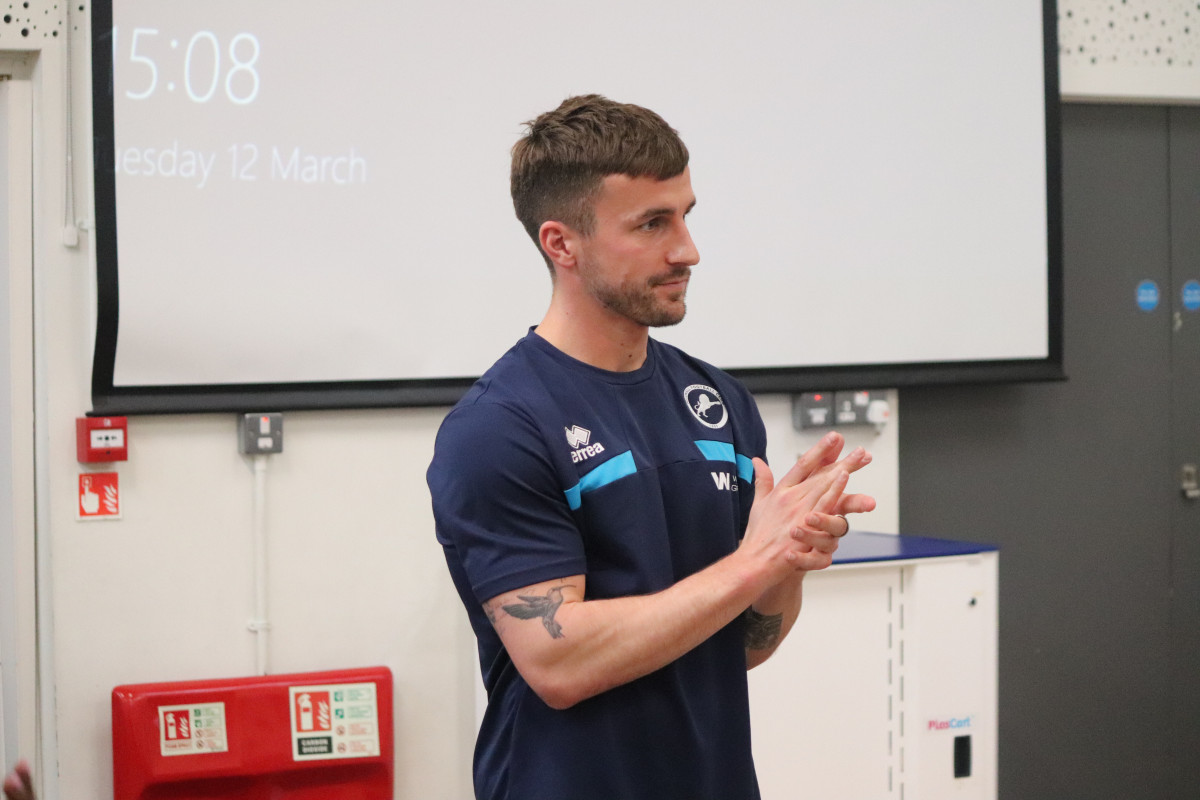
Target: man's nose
(684, 252)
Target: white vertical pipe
(47, 760)
(260, 624)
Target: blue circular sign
(1147, 295)
(1191, 295)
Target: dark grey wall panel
(1185, 414)
(1076, 484)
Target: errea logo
(577, 436)
(578, 439)
(706, 405)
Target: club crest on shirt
(578, 439)
(706, 405)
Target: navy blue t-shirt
(550, 467)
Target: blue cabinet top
(862, 546)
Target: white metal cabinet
(887, 685)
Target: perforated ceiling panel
(30, 24)
(1130, 49)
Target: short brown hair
(565, 154)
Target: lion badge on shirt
(706, 405)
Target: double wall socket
(835, 409)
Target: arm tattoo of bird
(762, 630)
(544, 607)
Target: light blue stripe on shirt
(716, 451)
(614, 469)
(723, 451)
(745, 468)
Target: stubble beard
(639, 303)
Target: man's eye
(651, 224)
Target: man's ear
(560, 243)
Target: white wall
(165, 593)
(17, 602)
(356, 579)
(8, 598)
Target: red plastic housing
(101, 439)
(307, 736)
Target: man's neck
(604, 340)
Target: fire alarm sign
(99, 496)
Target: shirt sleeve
(498, 503)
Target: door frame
(19, 701)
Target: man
(18, 784)
(621, 546)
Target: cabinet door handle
(1189, 481)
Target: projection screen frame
(109, 399)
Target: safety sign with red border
(99, 496)
(334, 721)
(192, 729)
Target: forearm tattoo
(534, 607)
(762, 630)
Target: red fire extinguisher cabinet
(306, 736)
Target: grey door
(1184, 135)
(1078, 482)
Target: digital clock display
(200, 66)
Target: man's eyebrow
(651, 213)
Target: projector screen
(305, 205)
